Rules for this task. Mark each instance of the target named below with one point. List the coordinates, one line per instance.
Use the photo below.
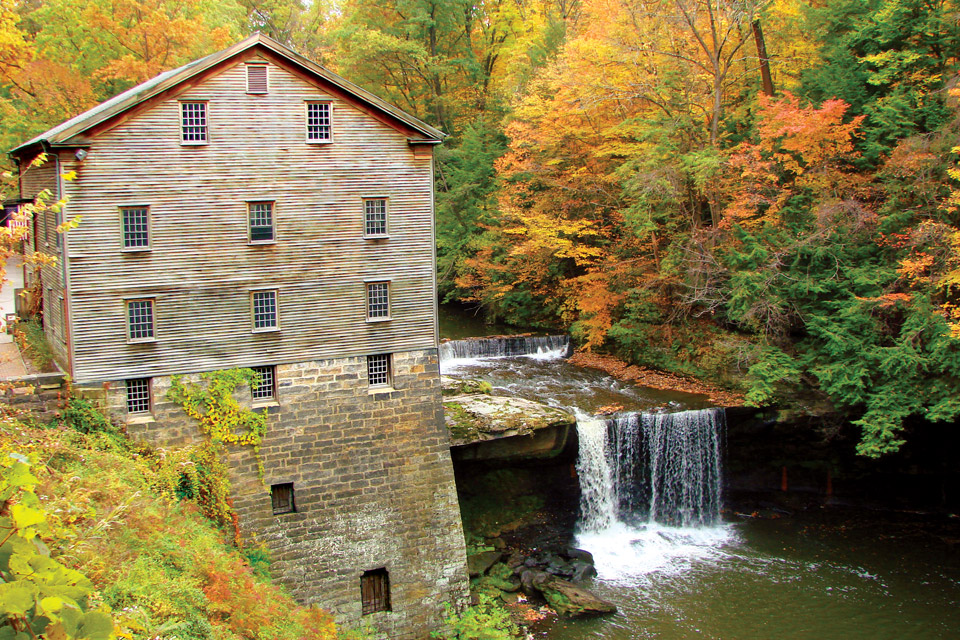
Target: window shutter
(256, 78)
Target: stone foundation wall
(40, 396)
(373, 486)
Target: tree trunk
(764, 60)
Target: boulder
(572, 601)
(533, 579)
(479, 417)
(479, 563)
(579, 554)
(582, 571)
(557, 566)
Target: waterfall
(651, 468)
(502, 346)
(598, 509)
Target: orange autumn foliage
(250, 609)
(800, 148)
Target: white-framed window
(378, 300)
(260, 222)
(257, 78)
(135, 224)
(266, 386)
(193, 122)
(378, 370)
(375, 218)
(138, 396)
(319, 122)
(264, 308)
(140, 324)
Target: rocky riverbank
(555, 577)
(644, 377)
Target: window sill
(378, 320)
(184, 143)
(261, 243)
(146, 418)
(136, 250)
(382, 237)
(142, 341)
(319, 141)
(266, 330)
(264, 404)
(375, 391)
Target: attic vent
(256, 78)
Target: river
(711, 568)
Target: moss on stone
(461, 424)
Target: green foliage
(465, 198)
(768, 374)
(83, 415)
(486, 620)
(38, 593)
(259, 559)
(890, 60)
(198, 474)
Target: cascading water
(667, 467)
(650, 489)
(650, 482)
(598, 506)
(504, 346)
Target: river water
(679, 565)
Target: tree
(61, 57)
(890, 60)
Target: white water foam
(640, 472)
(548, 355)
(457, 365)
(625, 554)
(452, 366)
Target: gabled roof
(70, 133)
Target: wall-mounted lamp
(80, 154)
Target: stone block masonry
(41, 397)
(372, 480)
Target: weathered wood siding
(44, 238)
(200, 268)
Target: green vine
(220, 415)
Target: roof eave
(360, 92)
(62, 139)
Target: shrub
(486, 620)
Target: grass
(33, 345)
